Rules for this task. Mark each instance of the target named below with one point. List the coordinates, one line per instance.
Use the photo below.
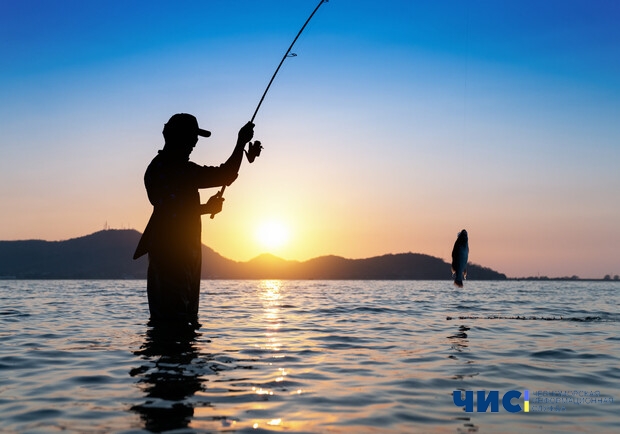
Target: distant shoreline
(107, 255)
(512, 279)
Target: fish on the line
(460, 255)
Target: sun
(272, 234)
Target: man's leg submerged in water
(173, 288)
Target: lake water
(310, 357)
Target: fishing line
(255, 148)
(528, 318)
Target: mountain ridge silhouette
(107, 254)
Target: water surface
(307, 357)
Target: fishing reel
(253, 151)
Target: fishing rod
(255, 148)
(285, 56)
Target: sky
(397, 124)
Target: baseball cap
(183, 123)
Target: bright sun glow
(272, 234)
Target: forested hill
(108, 254)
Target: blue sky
(398, 124)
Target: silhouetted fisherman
(460, 254)
(172, 237)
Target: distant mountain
(102, 255)
(108, 254)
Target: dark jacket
(172, 186)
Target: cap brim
(203, 133)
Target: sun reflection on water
(270, 294)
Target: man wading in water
(172, 236)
